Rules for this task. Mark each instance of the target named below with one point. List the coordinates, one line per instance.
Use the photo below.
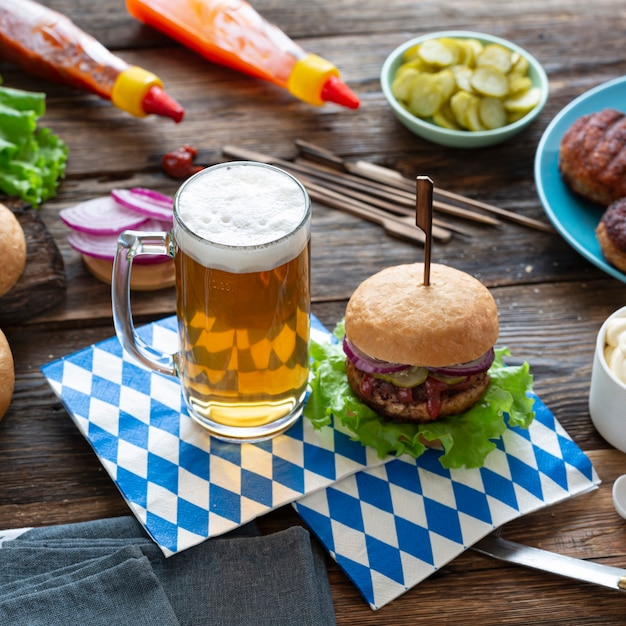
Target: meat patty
(592, 156)
(611, 234)
(412, 404)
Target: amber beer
(242, 234)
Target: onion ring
(367, 363)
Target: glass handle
(131, 244)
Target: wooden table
(551, 301)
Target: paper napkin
(392, 526)
(183, 485)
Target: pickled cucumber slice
(524, 102)
(463, 77)
(470, 48)
(403, 83)
(472, 114)
(426, 97)
(495, 55)
(492, 113)
(490, 81)
(445, 118)
(440, 52)
(519, 84)
(459, 104)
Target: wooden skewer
(424, 218)
(356, 182)
(399, 196)
(405, 230)
(390, 177)
(440, 229)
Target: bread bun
(13, 246)
(7, 375)
(611, 234)
(394, 317)
(142, 277)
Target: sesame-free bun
(394, 317)
(7, 375)
(13, 247)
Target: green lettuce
(32, 158)
(466, 438)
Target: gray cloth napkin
(110, 572)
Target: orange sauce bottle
(232, 33)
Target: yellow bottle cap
(130, 89)
(316, 81)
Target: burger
(416, 352)
(415, 366)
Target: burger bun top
(394, 317)
(13, 246)
(7, 375)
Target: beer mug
(241, 248)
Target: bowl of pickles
(464, 89)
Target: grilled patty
(415, 404)
(592, 156)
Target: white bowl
(619, 495)
(607, 393)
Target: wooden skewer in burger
(419, 338)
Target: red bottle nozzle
(157, 101)
(334, 90)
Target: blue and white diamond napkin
(388, 523)
(183, 485)
(392, 526)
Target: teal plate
(573, 217)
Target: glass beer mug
(241, 249)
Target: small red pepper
(178, 163)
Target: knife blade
(578, 569)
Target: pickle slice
(519, 84)
(426, 96)
(460, 103)
(403, 83)
(445, 117)
(524, 102)
(490, 81)
(472, 114)
(492, 113)
(410, 377)
(440, 52)
(495, 55)
(463, 77)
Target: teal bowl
(430, 131)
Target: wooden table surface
(551, 300)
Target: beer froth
(243, 217)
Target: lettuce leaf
(466, 438)
(32, 158)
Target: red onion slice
(101, 216)
(368, 364)
(145, 202)
(471, 368)
(105, 246)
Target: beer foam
(243, 216)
